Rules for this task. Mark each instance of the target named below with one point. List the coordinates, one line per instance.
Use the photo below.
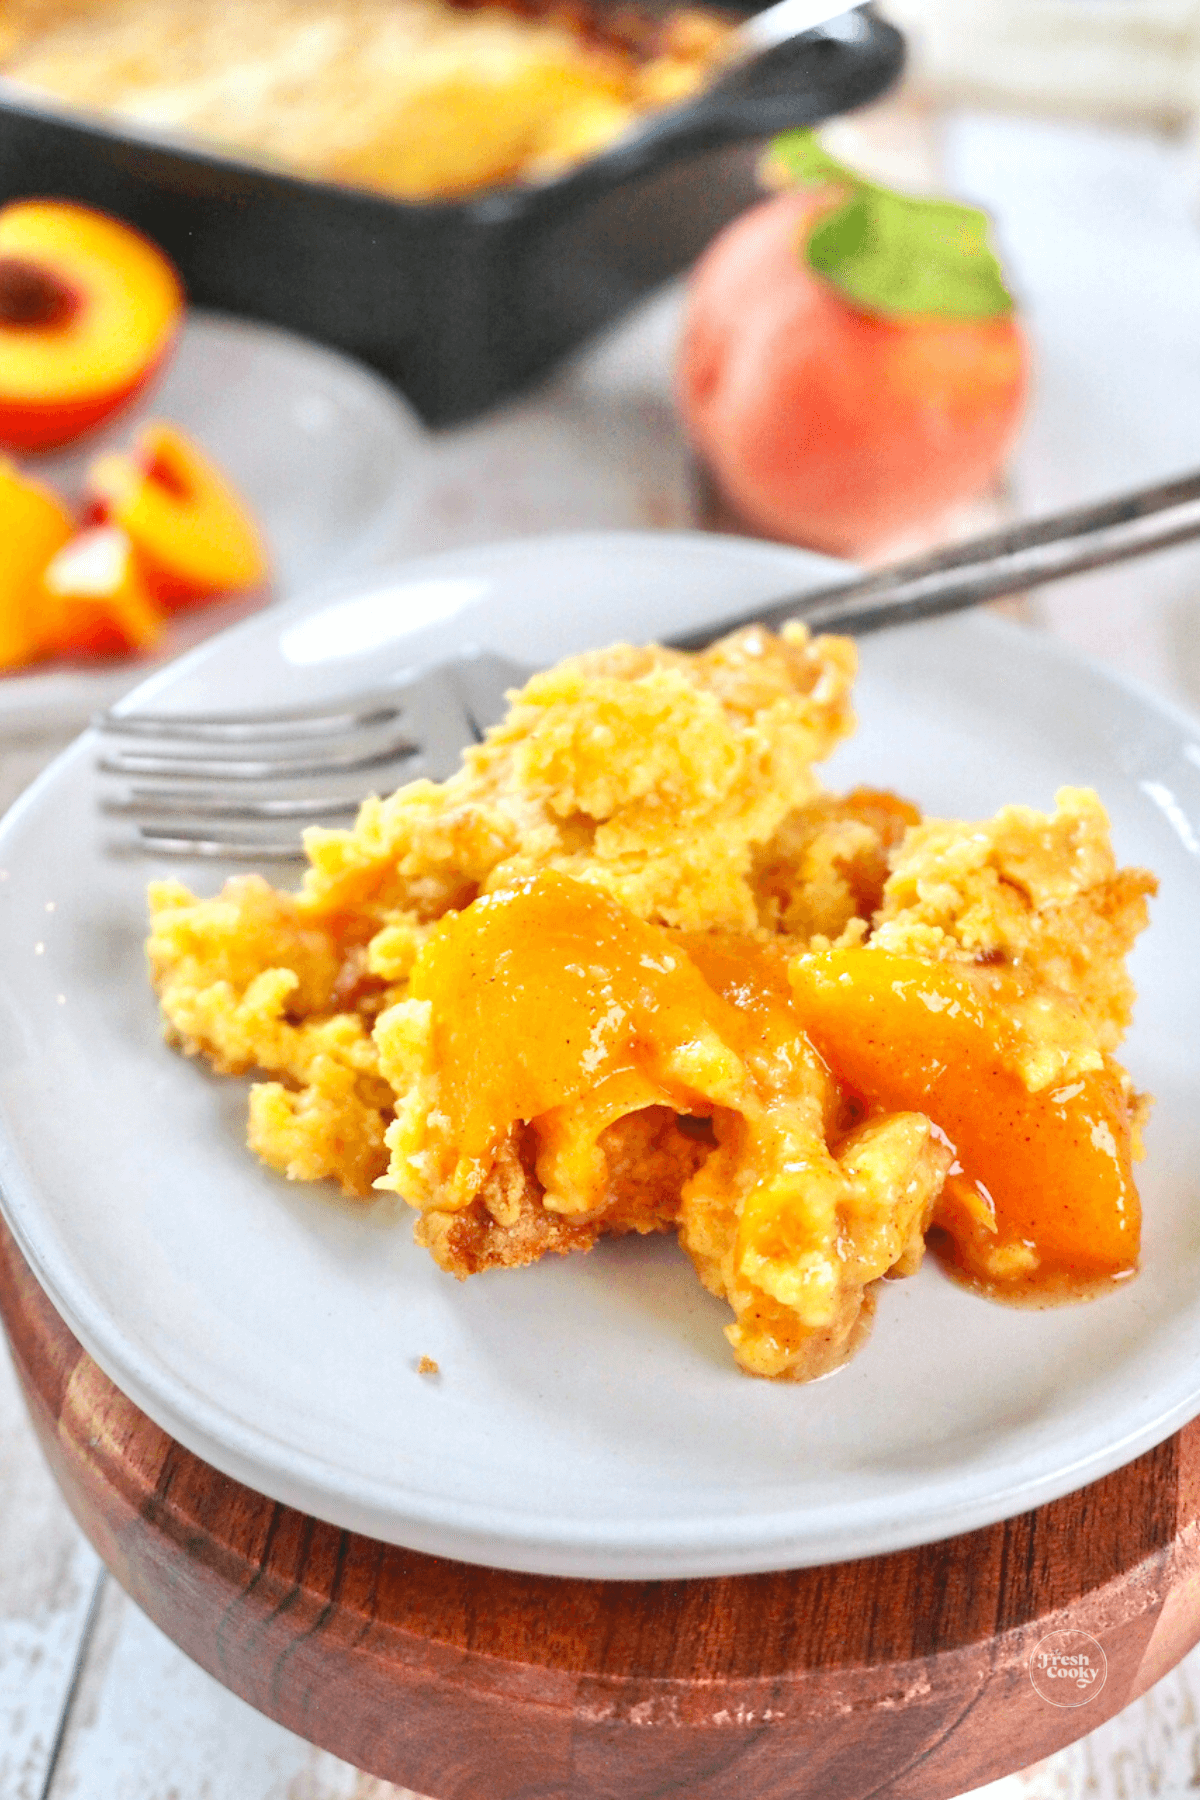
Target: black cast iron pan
(458, 302)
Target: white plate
(588, 1418)
(319, 447)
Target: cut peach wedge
(89, 310)
(34, 524)
(94, 600)
(193, 536)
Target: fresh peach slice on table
(89, 309)
(34, 524)
(94, 598)
(193, 536)
(1045, 1194)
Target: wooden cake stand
(901, 1677)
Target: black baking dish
(458, 302)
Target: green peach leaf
(893, 254)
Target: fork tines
(238, 786)
(335, 719)
(201, 803)
(183, 764)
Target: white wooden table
(1100, 236)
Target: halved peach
(194, 537)
(89, 309)
(94, 598)
(34, 524)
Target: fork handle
(984, 568)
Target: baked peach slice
(1041, 1193)
(34, 525)
(94, 600)
(89, 310)
(193, 536)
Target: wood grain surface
(893, 1677)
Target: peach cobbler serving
(634, 969)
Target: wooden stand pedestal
(901, 1677)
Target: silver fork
(210, 770)
(216, 766)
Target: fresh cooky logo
(1068, 1668)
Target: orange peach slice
(523, 1025)
(1046, 1187)
(94, 598)
(89, 310)
(34, 524)
(193, 535)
